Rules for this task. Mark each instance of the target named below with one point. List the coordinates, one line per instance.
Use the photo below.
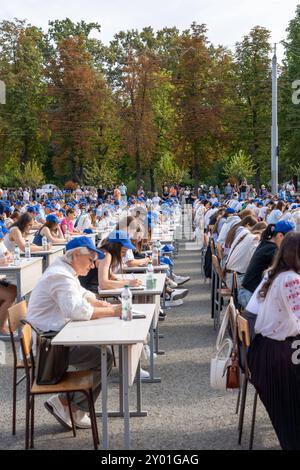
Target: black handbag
(52, 361)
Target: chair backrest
(26, 347)
(216, 265)
(16, 314)
(243, 331)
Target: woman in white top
(273, 358)
(19, 232)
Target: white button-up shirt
(58, 297)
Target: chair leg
(253, 421)
(92, 416)
(242, 409)
(27, 422)
(71, 415)
(238, 402)
(32, 422)
(14, 401)
(114, 356)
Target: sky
(227, 21)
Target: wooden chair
(221, 291)
(16, 314)
(72, 382)
(245, 339)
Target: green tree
(240, 166)
(251, 120)
(289, 115)
(31, 175)
(23, 125)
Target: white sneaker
(147, 352)
(172, 283)
(59, 411)
(81, 419)
(181, 279)
(144, 374)
(174, 303)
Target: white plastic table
(130, 337)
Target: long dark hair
(23, 222)
(287, 258)
(114, 249)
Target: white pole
(274, 145)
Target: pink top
(69, 224)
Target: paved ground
(183, 412)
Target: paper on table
(137, 287)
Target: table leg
(104, 396)
(126, 398)
(152, 379)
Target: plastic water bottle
(17, 256)
(126, 304)
(27, 249)
(45, 243)
(155, 255)
(158, 251)
(67, 235)
(149, 276)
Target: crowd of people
(69, 287)
(256, 236)
(257, 242)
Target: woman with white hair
(57, 298)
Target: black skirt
(277, 381)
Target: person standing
(123, 191)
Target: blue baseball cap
(84, 242)
(216, 204)
(284, 226)
(230, 210)
(52, 218)
(88, 231)
(294, 206)
(120, 236)
(31, 209)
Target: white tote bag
(221, 360)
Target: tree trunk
(152, 180)
(138, 168)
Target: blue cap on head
(120, 236)
(167, 249)
(284, 226)
(3, 228)
(260, 203)
(31, 209)
(230, 210)
(52, 218)
(88, 231)
(84, 242)
(62, 211)
(215, 204)
(294, 206)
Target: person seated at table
(51, 230)
(34, 212)
(67, 223)
(115, 247)
(57, 298)
(12, 218)
(84, 221)
(8, 291)
(18, 234)
(133, 228)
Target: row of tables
(128, 336)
